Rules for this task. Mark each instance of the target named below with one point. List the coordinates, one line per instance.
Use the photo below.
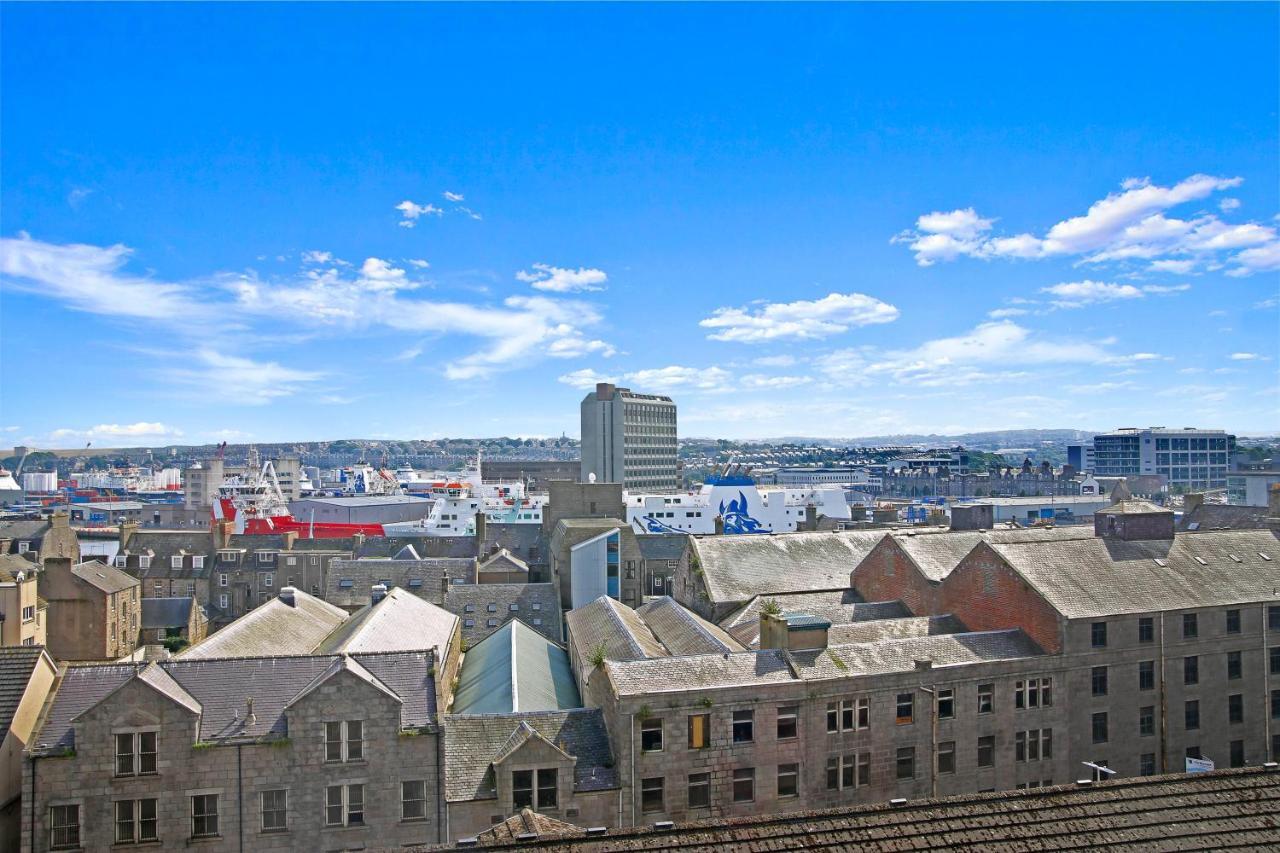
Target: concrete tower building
(629, 438)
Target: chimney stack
(810, 516)
(793, 631)
(379, 592)
(719, 525)
(1273, 501)
(127, 529)
(287, 595)
(1191, 501)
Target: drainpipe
(1266, 687)
(1164, 703)
(34, 759)
(933, 741)
(631, 736)
(442, 811)
(240, 795)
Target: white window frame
(29, 613)
(345, 803)
(175, 562)
(268, 580)
(197, 561)
(144, 561)
(224, 601)
(216, 814)
(135, 752)
(405, 799)
(135, 822)
(266, 556)
(24, 547)
(121, 562)
(73, 841)
(284, 810)
(224, 579)
(344, 741)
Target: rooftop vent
(898, 802)
(287, 596)
(597, 830)
(379, 592)
(664, 825)
(527, 836)
(468, 842)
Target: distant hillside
(979, 440)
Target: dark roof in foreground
(1218, 811)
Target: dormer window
(175, 562)
(144, 561)
(136, 753)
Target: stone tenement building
(1028, 653)
(315, 752)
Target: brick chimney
(127, 529)
(810, 516)
(290, 536)
(222, 530)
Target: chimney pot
(287, 595)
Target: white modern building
(1251, 488)
(1189, 458)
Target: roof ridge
(626, 629)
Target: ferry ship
(743, 506)
(459, 499)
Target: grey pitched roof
(837, 606)
(274, 628)
(884, 629)
(937, 555)
(515, 669)
(737, 568)
(165, 544)
(1225, 517)
(503, 560)
(522, 540)
(349, 583)
(11, 564)
(1174, 812)
(428, 547)
(1133, 506)
(23, 529)
(399, 622)
(109, 579)
(524, 822)
(16, 665)
(900, 655)
(221, 686)
(1102, 576)
(166, 612)
(406, 553)
(471, 743)
(774, 666)
(684, 632)
(662, 546)
(536, 603)
(622, 632)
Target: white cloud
(585, 379)
(1128, 225)
(408, 354)
(757, 381)
(448, 196)
(1002, 313)
(991, 352)
(90, 278)
(573, 346)
(1099, 387)
(675, 376)
(561, 279)
(134, 431)
(1245, 356)
(411, 212)
(238, 379)
(1175, 267)
(801, 320)
(418, 263)
(1077, 294)
(774, 361)
(1229, 204)
(317, 257)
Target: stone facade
(95, 611)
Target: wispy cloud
(455, 197)
(148, 430)
(657, 379)
(1130, 225)
(563, 279)
(1077, 294)
(238, 379)
(411, 212)
(805, 319)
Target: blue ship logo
(737, 519)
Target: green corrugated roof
(515, 669)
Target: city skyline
(413, 222)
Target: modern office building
(1251, 488)
(629, 438)
(1189, 458)
(1080, 457)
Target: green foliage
(644, 713)
(706, 702)
(174, 644)
(771, 608)
(597, 656)
(280, 742)
(837, 660)
(203, 744)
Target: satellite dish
(591, 478)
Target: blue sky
(268, 223)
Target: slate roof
(624, 634)
(662, 546)
(428, 547)
(11, 564)
(885, 629)
(1177, 812)
(274, 628)
(160, 613)
(25, 529)
(838, 606)
(937, 555)
(219, 687)
(349, 583)
(515, 669)
(109, 579)
(684, 632)
(16, 665)
(738, 568)
(580, 732)
(1132, 506)
(522, 540)
(164, 544)
(522, 823)
(502, 560)
(1225, 517)
(399, 622)
(536, 603)
(1103, 576)
(774, 666)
